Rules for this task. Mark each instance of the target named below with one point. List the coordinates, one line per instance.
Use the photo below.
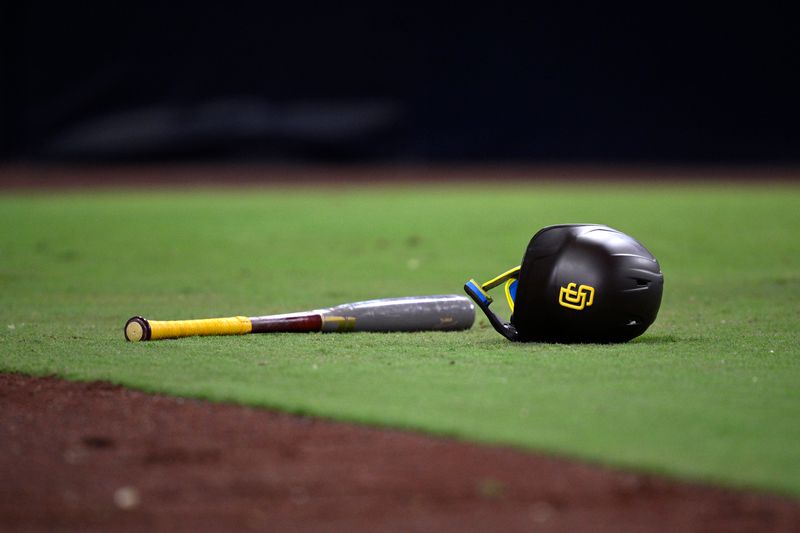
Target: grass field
(710, 392)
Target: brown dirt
(98, 457)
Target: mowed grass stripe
(709, 392)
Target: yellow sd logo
(574, 298)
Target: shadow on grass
(499, 342)
(664, 339)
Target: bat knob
(137, 329)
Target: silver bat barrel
(446, 312)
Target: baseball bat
(449, 312)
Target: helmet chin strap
(478, 293)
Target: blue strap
(478, 294)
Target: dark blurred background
(314, 82)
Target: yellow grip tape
(170, 329)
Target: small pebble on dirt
(126, 498)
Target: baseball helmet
(577, 283)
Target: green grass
(710, 392)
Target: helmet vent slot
(642, 282)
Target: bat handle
(140, 329)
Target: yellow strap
(494, 282)
(171, 329)
(509, 299)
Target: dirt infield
(98, 457)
